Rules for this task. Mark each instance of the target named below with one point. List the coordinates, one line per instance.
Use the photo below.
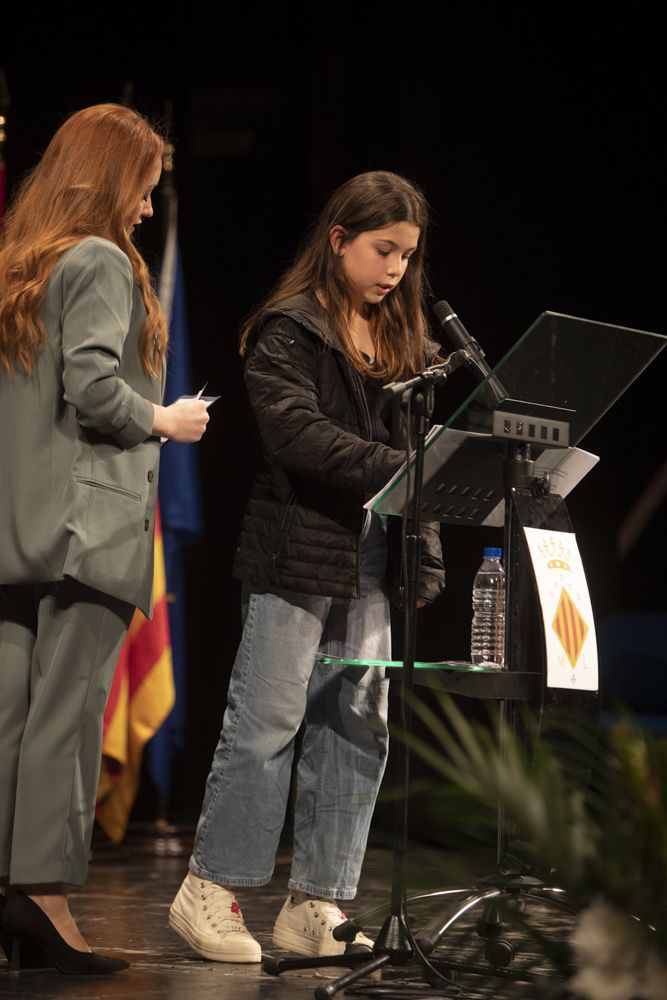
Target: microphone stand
(394, 944)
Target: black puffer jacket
(317, 462)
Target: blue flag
(180, 508)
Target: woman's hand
(185, 420)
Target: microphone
(454, 328)
(460, 337)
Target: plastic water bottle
(487, 636)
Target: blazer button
(147, 524)
(151, 475)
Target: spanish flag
(141, 698)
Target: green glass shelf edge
(466, 668)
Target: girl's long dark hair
(366, 202)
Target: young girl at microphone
(345, 319)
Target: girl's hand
(184, 421)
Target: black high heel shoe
(27, 923)
(32, 956)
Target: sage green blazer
(78, 463)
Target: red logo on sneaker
(235, 908)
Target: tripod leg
(431, 935)
(276, 966)
(323, 992)
(557, 897)
(440, 894)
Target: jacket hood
(306, 310)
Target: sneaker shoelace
(223, 915)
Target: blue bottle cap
(493, 553)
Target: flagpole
(179, 497)
(169, 198)
(166, 286)
(4, 114)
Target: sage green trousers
(59, 643)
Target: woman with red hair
(82, 352)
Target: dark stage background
(539, 145)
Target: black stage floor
(123, 911)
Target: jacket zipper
(361, 396)
(366, 419)
(282, 531)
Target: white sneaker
(210, 920)
(306, 925)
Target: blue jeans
(275, 685)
